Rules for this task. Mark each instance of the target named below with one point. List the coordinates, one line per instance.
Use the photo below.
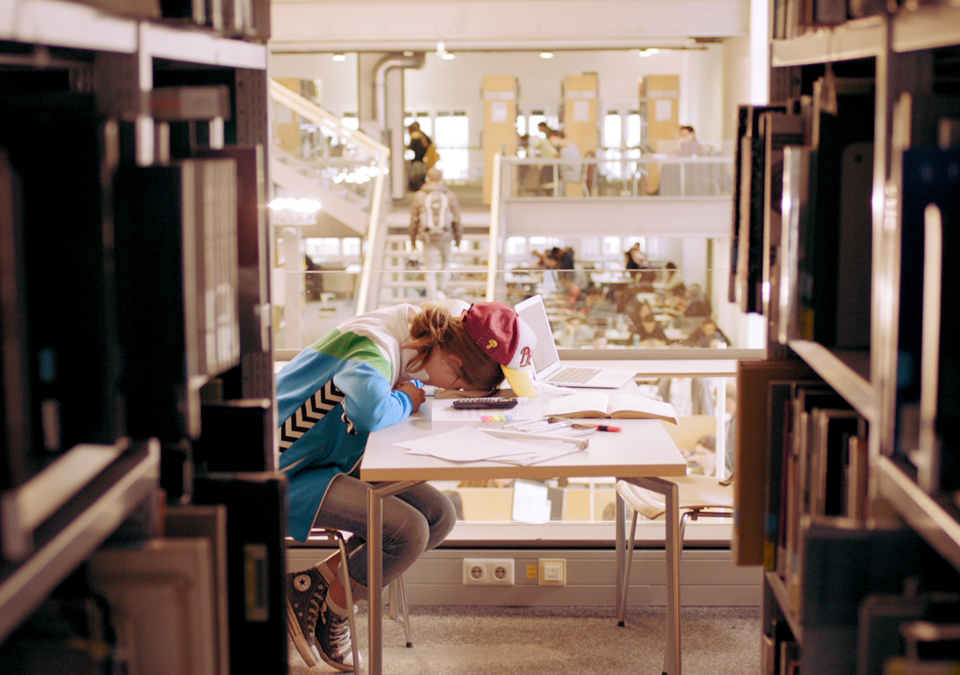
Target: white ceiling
(500, 25)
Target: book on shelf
(883, 615)
(798, 500)
(176, 238)
(615, 406)
(748, 121)
(208, 523)
(755, 466)
(841, 183)
(928, 394)
(256, 526)
(56, 216)
(832, 430)
(253, 250)
(163, 594)
(796, 207)
(779, 130)
(843, 563)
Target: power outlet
(488, 571)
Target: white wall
(444, 85)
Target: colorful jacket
(345, 381)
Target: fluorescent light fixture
(649, 52)
(546, 55)
(448, 56)
(289, 211)
(339, 57)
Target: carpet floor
(560, 640)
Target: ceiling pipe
(416, 61)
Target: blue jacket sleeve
(369, 400)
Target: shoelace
(339, 631)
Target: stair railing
(362, 160)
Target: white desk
(642, 451)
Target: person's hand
(416, 394)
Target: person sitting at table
(574, 333)
(365, 375)
(638, 264)
(572, 293)
(696, 302)
(646, 327)
(705, 455)
(707, 335)
(673, 285)
(598, 308)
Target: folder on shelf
(753, 452)
(256, 564)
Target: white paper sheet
(469, 444)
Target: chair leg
(625, 573)
(403, 606)
(351, 617)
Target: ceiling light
(408, 53)
(339, 57)
(448, 56)
(546, 55)
(649, 52)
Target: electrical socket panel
(488, 571)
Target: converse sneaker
(305, 593)
(333, 637)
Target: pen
(602, 427)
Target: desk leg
(671, 545)
(375, 568)
(621, 521)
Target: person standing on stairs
(435, 220)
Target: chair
(397, 597)
(678, 499)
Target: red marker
(603, 427)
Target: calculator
(484, 402)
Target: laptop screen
(534, 312)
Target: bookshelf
(857, 520)
(115, 338)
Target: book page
(631, 405)
(584, 404)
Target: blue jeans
(414, 521)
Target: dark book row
(805, 176)
(120, 297)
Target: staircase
(403, 277)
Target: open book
(617, 406)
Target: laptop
(546, 359)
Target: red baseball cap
(505, 338)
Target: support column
(660, 106)
(580, 119)
(499, 124)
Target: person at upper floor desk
(707, 335)
(696, 303)
(647, 329)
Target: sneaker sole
(308, 652)
(344, 667)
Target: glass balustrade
(608, 317)
(662, 313)
(647, 176)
